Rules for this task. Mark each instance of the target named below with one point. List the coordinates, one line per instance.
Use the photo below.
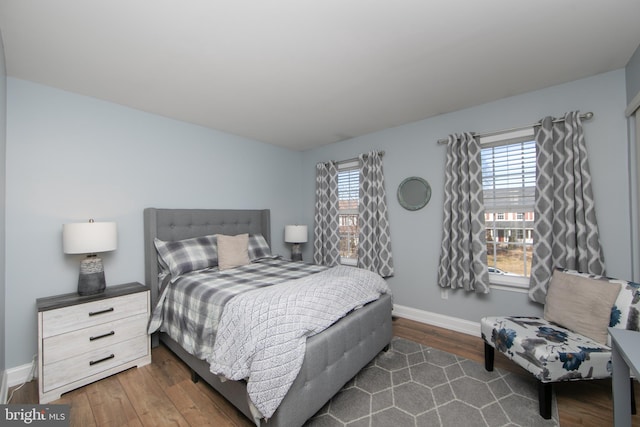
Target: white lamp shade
(295, 233)
(89, 237)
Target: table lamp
(295, 234)
(90, 238)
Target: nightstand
(82, 339)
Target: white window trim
(351, 164)
(503, 138)
(509, 283)
(353, 262)
(499, 281)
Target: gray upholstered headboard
(178, 224)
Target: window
(348, 197)
(508, 181)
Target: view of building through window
(509, 242)
(508, 182)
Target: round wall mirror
(414, 193)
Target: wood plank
(168, 368)
(196, 407)
(236, 417)
(175, 379)
(80, 410)
(151, 403)
(110, 404)
(26, 393)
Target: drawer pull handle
(95, 313)
(104, 359)
(108, 334)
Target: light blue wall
(632, 71)
(3, 145)
(71, 158)
(412, 150)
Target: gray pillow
(183, 256)
(258, 247)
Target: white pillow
(232, 251)
(581, 304)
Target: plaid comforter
(189, 309)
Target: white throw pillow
(232, 251)
(581, 304)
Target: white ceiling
(303, 73)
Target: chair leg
(544, 399)
(633, 398)
(489, 353)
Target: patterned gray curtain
(326, 250)
(565, 230)
(463, 254)
(374, 240)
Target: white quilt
(262, 334)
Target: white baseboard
(20, 374)
(3, 388)
(435, 319)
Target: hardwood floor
(162, 393)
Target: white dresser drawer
(84, 338)
(71, 318)
(67, 345)
(84, 365)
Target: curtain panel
(326, 242)
(374, 239)
(565, 230)
(463, 254)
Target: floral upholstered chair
(571, 341)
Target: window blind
(348, 189)
(509, 177)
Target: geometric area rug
(415, 385)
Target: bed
(332, 356)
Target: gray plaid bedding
(189, 309)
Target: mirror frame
(401, 198)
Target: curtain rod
(355, 158)
(586, 116)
